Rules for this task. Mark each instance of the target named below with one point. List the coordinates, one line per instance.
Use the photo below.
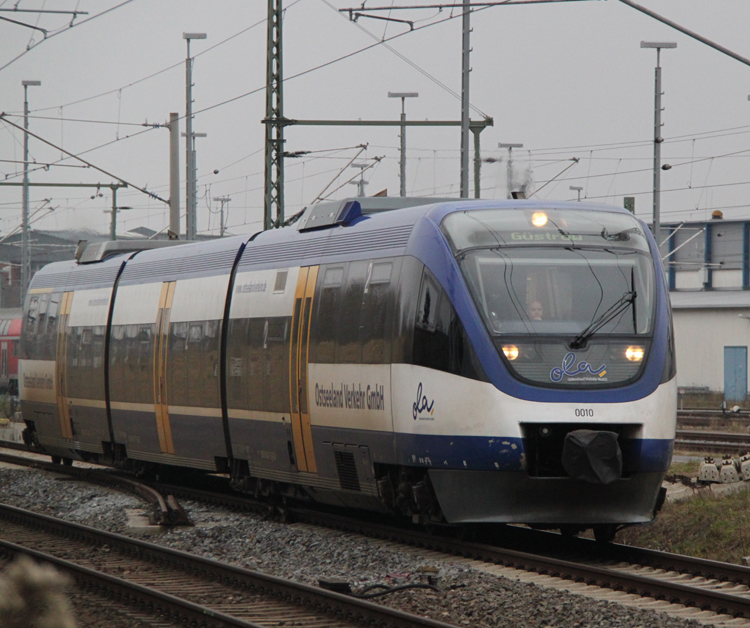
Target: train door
(161, 343)
(61, 370)
(299, 348)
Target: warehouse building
(708, 268)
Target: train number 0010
(584, 412)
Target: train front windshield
(559, 289)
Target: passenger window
(428, 303)
(145, 355)
(29, 324)
(276, 365)
(195, 334)
(381, 272)
(377, 313)
(348, 349)
(436, 339)
(212, 328)
(323, 343)
(256, 341)
(53, 309)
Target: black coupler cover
(592, 456)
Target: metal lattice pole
(465, 69)
(274, 121)
(25, 250)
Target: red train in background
(10, 333)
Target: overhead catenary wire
(4, 119)
(180, 64)
(109, 174)
(405, 59)
(72, 25)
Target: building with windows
(708, 268)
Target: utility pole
(174, 174)
(191, 166)
(361, 183)
(222, 200)
(658, 139)
(510, 148)
(113, 211)
(403, 96)
(25, 252)
(465, 69)
(273, 198)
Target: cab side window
(440, 340)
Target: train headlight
(539, 219)
(634, 353)
(510, 351)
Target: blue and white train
(458, 362)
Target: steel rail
(542, 560)
(328, 603)
(712, 442)
(717, 601)
(716, 437)
(131, 593)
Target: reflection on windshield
(519, 227)
(544, 290)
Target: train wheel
(605, 533)
(56, 459)
(68, 462)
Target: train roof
(355, 228)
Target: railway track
(703, 585)
(185, 588)
(712, 418)
(644, 578)
(713, 442)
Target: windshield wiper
(624, 302)
(620, 236)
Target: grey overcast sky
(566, 80)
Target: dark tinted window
(353, 313)
(131, 376)
(348, 347)
(277, 364)
(142, 353)
(323, 342)
(177, 365)
(376, 321)
(407, 296)
(117, 361)
(258, 364)
(29, 326)
(440, 341)
(50, 334)
(85, 359)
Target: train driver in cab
(535, 311)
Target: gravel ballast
(467, 597)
